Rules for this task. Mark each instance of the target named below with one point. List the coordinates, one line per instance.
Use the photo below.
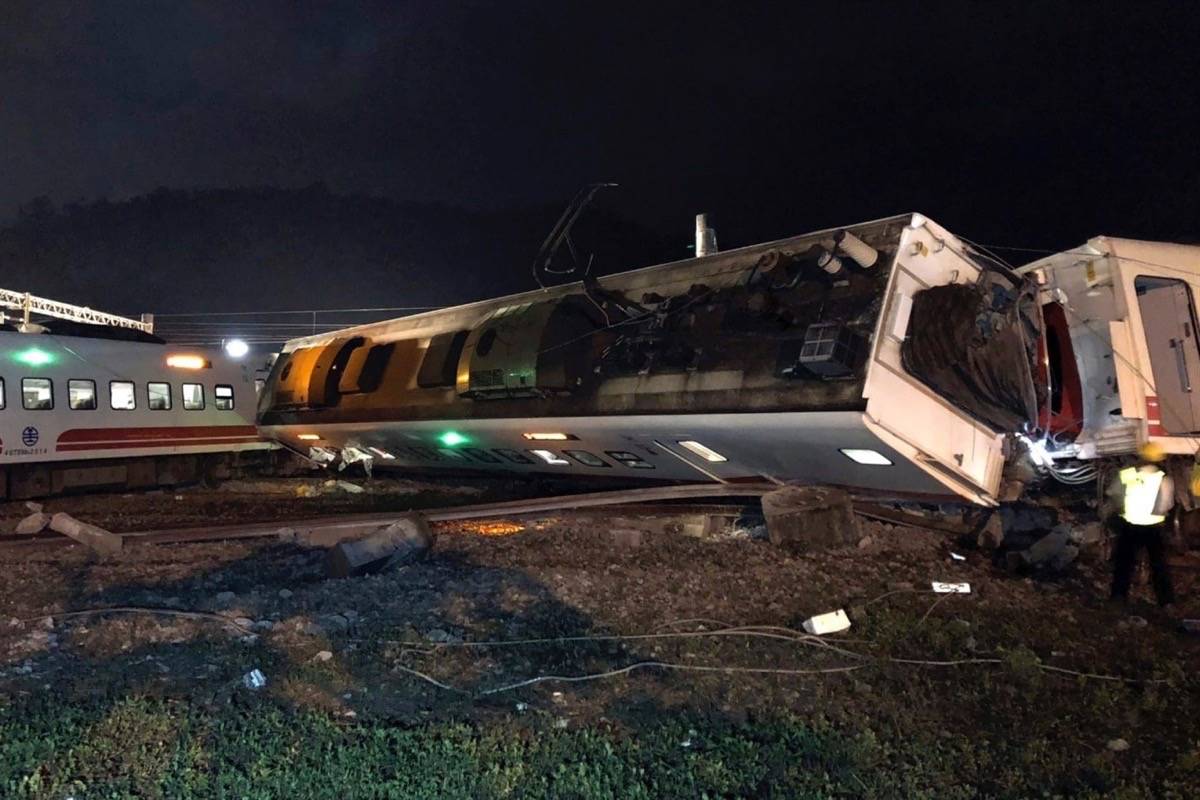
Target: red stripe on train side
(172, 433)
(156, 444)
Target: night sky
(1032, 125)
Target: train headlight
(236, 348)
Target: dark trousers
(1131, 539)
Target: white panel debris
(833, 622)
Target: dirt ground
(499, 604)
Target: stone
(352, 616)
(865, 542)
(1118, 745)
(48, 623)
(406, 540)
(439, 636)
(322, 656)
(36, 508)
(225, 597)
(284, 594)
(334, 622)
(34, 523)
(245, 622)
(810, 518)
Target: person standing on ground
(1144, 495)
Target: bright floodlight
(236, 348)
(870, 457)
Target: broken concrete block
(34, 507)
(34, 523)
(406, 540)
(809, 518)
(627, 538)
(1045, 550)
(98, 539)
(991, 536)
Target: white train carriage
(886, 356)
(111, 407)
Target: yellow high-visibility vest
(1141, 495)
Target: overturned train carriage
(885, 356)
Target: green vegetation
(142, 747)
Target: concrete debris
(33, 507)
(809, 518)
(991, 536)
(951, 588)
(286, 534)
(355, 455)
(254, 680)
(406, 540)
(322, 656)
(1118, 745)
(832, 622)
(865, 542)
(1053, 552)
(36, 522)
(284, 594)
(627, 538)
(97, 539)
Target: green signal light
(452, 438)
(34, 357)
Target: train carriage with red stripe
(86, 406)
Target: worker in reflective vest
(1144, 495)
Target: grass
(156, 748)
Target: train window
(440, 365)
(2, 399)
(81, 395)
(550, 457)
(586, 458)
(629, 459)
(193, 397)
(122, 396)
(158, 396)
(223, 397)
(515, 456)
(37, 394)
(480, 454)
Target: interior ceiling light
(549, 437)
(179, 361)
(869, 457)
(706, 453)
(309, 437)
(550, 457)
(452, 439)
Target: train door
(1169, 323)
